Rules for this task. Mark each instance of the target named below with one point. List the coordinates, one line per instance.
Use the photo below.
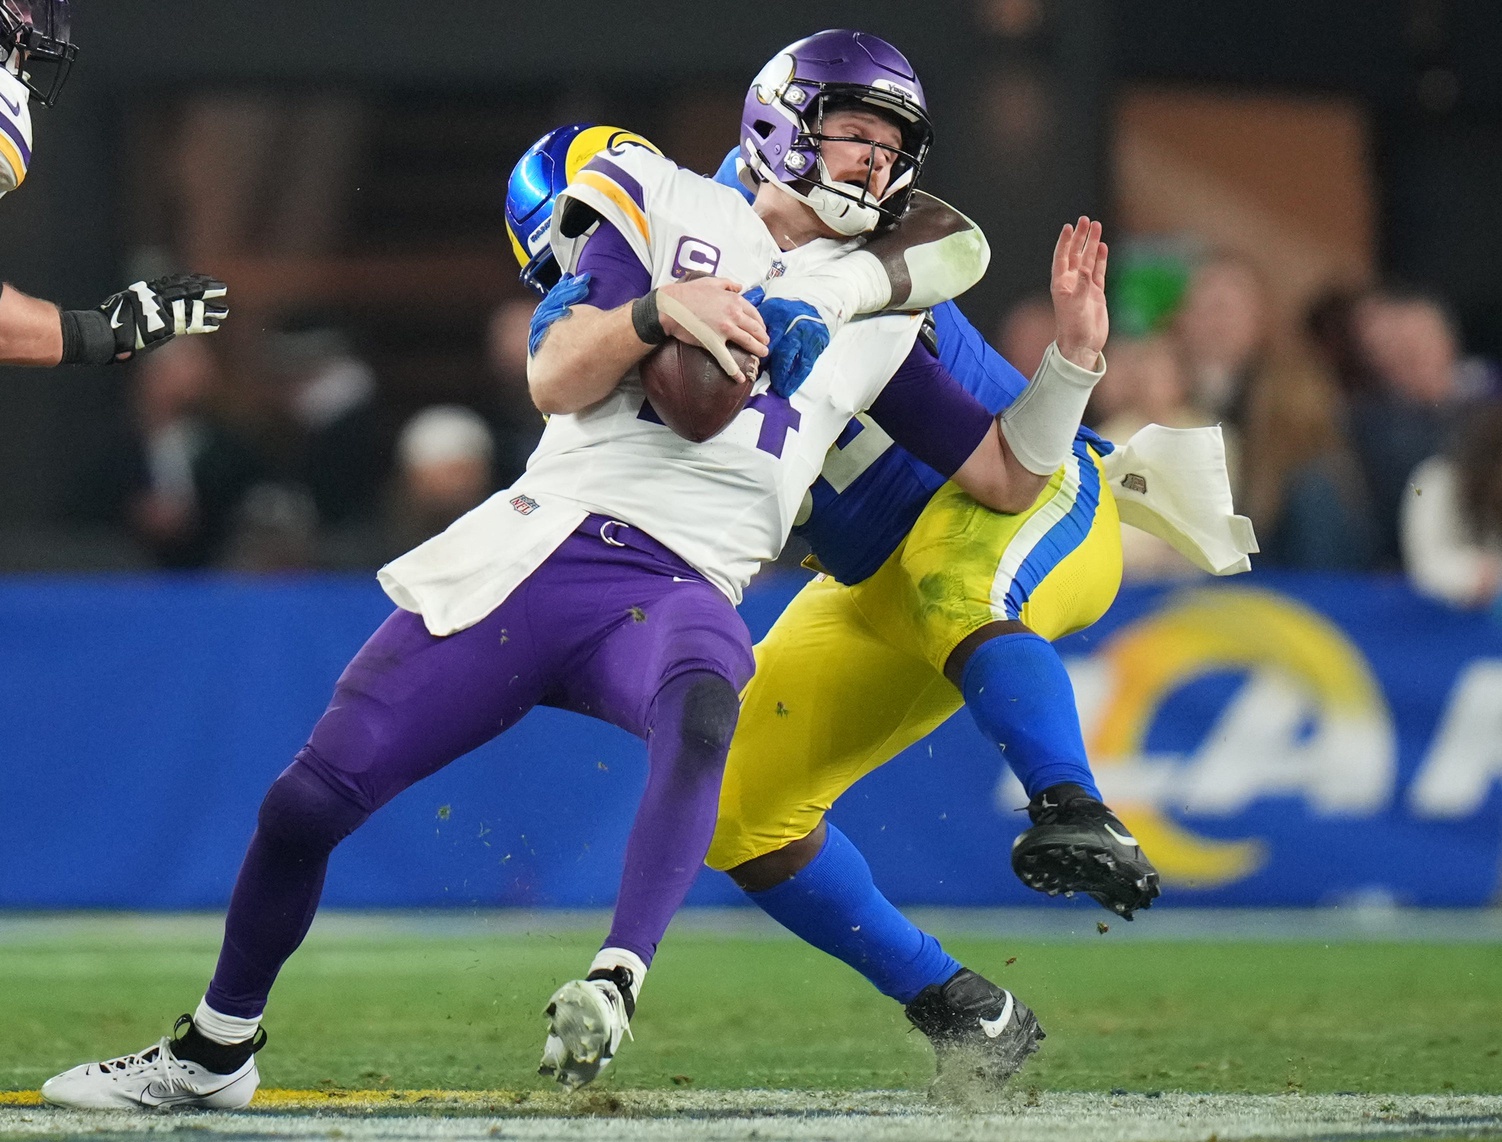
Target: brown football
(691, 393)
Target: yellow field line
(344, 1099)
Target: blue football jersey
(872, 491)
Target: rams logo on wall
(1265, 748)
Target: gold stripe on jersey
(597, 181)
(12, 156)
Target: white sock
(607, 958)
(226, 1030)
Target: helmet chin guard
(846, 215)
(782, 124)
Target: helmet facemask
(40, 30)
(845, 207)
(783, 131)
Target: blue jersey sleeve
(979, 369)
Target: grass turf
(462, 1012)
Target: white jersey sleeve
(15, 131)
(725, 505)
(616, 185)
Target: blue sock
(1021, 698)
(832, 903)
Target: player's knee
(710, 709)
(303, 813)
(770, 869)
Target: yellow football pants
(849, 676)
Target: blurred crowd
(323, 474)
(1360, 436)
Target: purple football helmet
(782, 123)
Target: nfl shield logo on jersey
(524, 505)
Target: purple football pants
(619, 628)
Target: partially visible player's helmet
(40, 29)
(549, 165)
(782, 123)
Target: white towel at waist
(1172, 483)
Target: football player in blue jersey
(36, 54)
(928, 601)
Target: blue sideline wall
(1273, 740)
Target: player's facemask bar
(861, 211)
(46, 54)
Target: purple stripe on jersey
(16, 137)
(616, 273)
(614, 173)
(929, 413)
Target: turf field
(452, 1004)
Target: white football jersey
(724, 506)
(15, 131)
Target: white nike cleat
(587, 1019)
(151, 1080)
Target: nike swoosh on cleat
(994, 1027)
(1125, 840)
(169, 1097)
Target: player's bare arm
(30, 330)
(135, 320)
(580, 360)
(993, 476)
(996, 474)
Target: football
(689, 390)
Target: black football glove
(141, 317)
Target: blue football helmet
(549, 165)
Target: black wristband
(87, 338)
(646, 322)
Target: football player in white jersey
(604, 580)
(36, 54)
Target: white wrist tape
(1041, 424)
(700, 331)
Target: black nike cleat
(981, 1033)
(1076, 844)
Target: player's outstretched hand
(1079, 292)
(147, 314)
(796, 334)
(719, 305)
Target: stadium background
(1313, 738)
